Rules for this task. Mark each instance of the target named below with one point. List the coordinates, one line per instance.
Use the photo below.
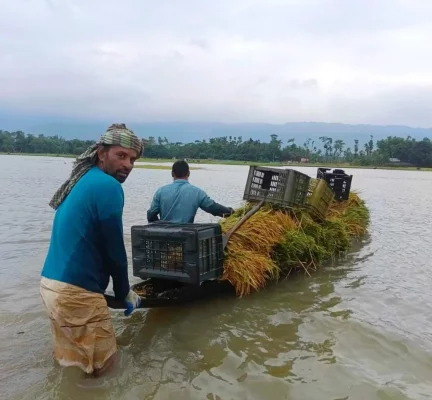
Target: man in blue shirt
(179, 201)
(86, 249)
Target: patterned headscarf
(116, 134)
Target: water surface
(360, 329)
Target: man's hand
(231, 212)
(132, 301)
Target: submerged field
(357, 328)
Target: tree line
(19, 142)
(407, 150)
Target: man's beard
(119, 175)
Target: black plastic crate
(285, 187)
(189, 253)
(338, 180)
(321, 172)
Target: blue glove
(132, 301)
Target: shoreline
(163, 167)
(235, 162)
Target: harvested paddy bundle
(353, 213)
(248, 263)
(277, 241)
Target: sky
(275, 61)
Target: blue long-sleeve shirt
(179, 201)
(87, 245)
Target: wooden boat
(167, 293)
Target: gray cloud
(303, 84)
(357, 61)
(201, 43)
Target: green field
(279, 164)
(233, 162)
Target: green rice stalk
(277, 240)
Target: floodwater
(360, 329)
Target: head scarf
(116, 134)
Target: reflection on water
(357, 329)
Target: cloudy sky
(353, 61)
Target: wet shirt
(87, 245)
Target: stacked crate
(285, 187)
(319, 199)
(338, 181)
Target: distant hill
(191, 131)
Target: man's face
(117, 161)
